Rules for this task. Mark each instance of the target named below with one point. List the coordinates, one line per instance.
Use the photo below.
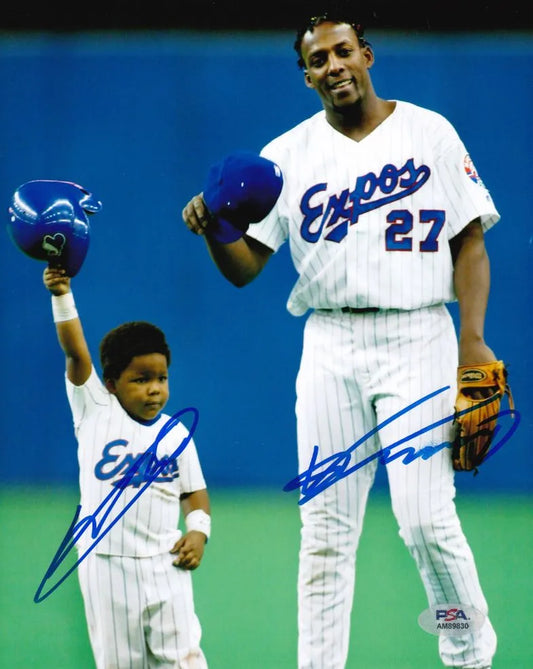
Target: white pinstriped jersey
(369, 221)
(109, 443)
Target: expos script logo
(114, 462)
(343, 209)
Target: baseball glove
(480, 390)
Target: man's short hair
(333, 16)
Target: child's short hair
(123, 343)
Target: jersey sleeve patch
(471, 171)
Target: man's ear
(307, 79)
(110, 385)
(368, 56)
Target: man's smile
(338, 85)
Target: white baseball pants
(357, 371)
(140, 613)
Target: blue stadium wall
(137, 118)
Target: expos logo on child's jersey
(134, 470)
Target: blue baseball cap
(241, 189)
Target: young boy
(135, 578)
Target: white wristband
(198, 520)
(64, 308)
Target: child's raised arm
(68, 326)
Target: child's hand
(56, 280)
(189, 549)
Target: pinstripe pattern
(358, 271)
(150, 525)
(356, 371)
(368, 224)
(139, 606)
(138, 597)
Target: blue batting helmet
(48, 221)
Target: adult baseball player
(385, 215)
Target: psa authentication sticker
(471, 171)
(451, 620)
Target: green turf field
(246, 588)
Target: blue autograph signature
(322, 474)
(95, 523)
